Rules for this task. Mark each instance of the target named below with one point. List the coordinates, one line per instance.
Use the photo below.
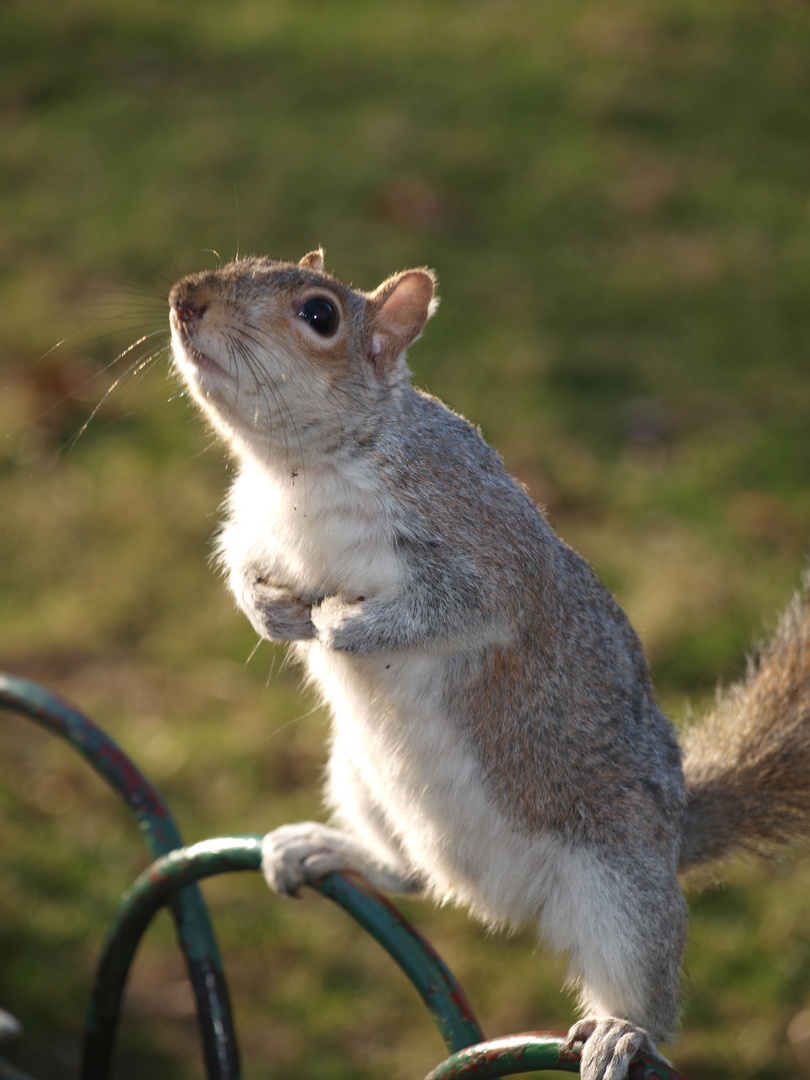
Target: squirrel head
(281, 354)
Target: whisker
(138, 366)
(206, 449)
(238, 242)
(265, 384)
(254, 650)
(126, 352)
(295, 720)
(268, 384)
(177, 272)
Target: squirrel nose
(185, 306)
(187, 312)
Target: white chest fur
(327, 531)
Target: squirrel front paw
(296, 855)
(275, 612)
(610, 1045)
(339, 624)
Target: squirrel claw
(610, 1044)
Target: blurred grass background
(616, 198)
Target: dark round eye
(321, 314)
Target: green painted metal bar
(161, 835)
(442, 995)
(533, 1051)
(430, 976)
(530, 1052)
(154, 888)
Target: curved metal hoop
(440, 992)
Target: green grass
(615, 198)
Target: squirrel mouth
(200, 360)
(203, 360)
(185, 349)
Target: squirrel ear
(313, 260)
(404, 304)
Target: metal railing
(171, 881)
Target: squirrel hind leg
(622, 920)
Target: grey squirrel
(495, 739)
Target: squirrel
(495, 739)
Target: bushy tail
(747, 766)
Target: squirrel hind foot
(610, 1044)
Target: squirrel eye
(321, 315)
